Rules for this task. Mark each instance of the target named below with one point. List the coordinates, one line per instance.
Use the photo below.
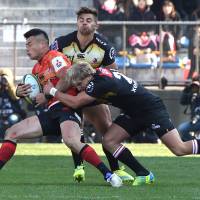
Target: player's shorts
(157, 120)
(50, 121)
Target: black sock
(113, 162)
(1, 164)
(126, 157)
(82, 138)
(198, 144)
(103, 169)
(76, 157)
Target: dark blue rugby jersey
(98, 52)
(112, 87)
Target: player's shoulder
(35, 67)
(60, 42)
(53, 53)
(101, 40)
(66, 38)
(109, 49)
(103, 72)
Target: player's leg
(173, 141)
(100, 117)
(170, 136)
(79, 172)
(117, 133)
(112, 141)
(27, 128)
(71, 136)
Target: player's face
(86, 24)
(34, 48)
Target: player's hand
(23, 90)
(47, 87)
(40, 99)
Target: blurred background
(157, 44)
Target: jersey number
(119, 76)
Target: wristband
(53, 91)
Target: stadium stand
(24, 11)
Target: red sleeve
(34, 69)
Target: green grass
(44, 172)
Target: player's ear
(97, 25)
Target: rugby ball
(35, 85)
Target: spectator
(193, 34)
(191, 97)
(169, 13)
(10, 107)
(143, 47)
(142, 11)
(156, 7)
(170, 33)
(117, 10)
(142, 39)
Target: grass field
(44, 172)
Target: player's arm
(74, 102)
(22, 89)
(109, 57)
(62, 84)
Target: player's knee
(108, 142)
(101, 125)
(70, 142)
(179, 150)
(10, 134)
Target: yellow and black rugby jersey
(98, 52)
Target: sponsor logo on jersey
(81, 55)
(90, 87)
(154, 126)
(112, 53)
(94, 60)
(54, 45)
(58, 63)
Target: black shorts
(50, 121)
(157, 120)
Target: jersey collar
(79, 46)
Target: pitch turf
(44, 172)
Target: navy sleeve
(101, 87)
(109, 56)
(55, 45)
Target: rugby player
(86, 45)
(60, 119)
(142, 109)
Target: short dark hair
(86, 10)
(35, 32)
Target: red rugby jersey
(48, 67)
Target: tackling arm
(74, 101)
(62, 84)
